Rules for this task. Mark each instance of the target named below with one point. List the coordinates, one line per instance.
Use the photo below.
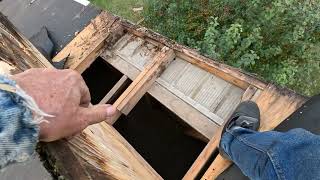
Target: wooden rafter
(142, 83)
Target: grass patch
(123, 8)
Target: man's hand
(63, 94)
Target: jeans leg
(274, 155)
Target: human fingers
(97, 113)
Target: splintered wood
(87, 45)
(16, 50)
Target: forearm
(18, 131)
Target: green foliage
(184, 21)
(276, 39)
(279, 40)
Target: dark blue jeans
(274, 155)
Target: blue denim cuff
(19, 133)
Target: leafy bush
(276, 39)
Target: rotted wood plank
(144, 81)
(24, 56)
(103, 31)
(275, 106)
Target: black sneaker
(246, 115)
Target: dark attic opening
(100, 77)
(160, 136)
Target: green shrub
(279, 40)
(276, 39)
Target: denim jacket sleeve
(18, 130)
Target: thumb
(97, 113)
